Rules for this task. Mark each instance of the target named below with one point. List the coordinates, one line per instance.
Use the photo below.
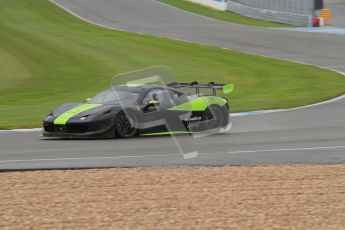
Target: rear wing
(227, 88)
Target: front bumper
(102, 129)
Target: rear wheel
(213, 119)
(125, 125)
(216, 117)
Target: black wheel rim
(213, 116)
(125, 125)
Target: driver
(154, 97)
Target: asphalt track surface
(310, 135)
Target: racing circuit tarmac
(314, 134)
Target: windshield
(110, 97)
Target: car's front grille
(74, 128)
(60, 128)
(49, 127)
(77, 127)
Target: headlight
(50, 115)
(104, 111)
(84, 117)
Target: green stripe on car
(166, 133)
(200, 104)
(64, 117)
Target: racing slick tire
(126, 124)
(217, 116)
(214, 118)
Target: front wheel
(125, 125)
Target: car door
(160, 114)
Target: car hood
(66, 112)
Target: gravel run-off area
(259, 197)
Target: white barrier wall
(270, 15)
(216, 4)
(305, 7)
(335, 1)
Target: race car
(131, 110)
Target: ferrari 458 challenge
(126, 111)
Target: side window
(151, 96)
(164, 96)
(174, 95)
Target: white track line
(20, 130)
(177, 154)
(91, 158)
(322, 30)
(290, 149)
(91, 22)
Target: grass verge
(49, 57)
(226, 16)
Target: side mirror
(87, 99)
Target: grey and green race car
(128, 111)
